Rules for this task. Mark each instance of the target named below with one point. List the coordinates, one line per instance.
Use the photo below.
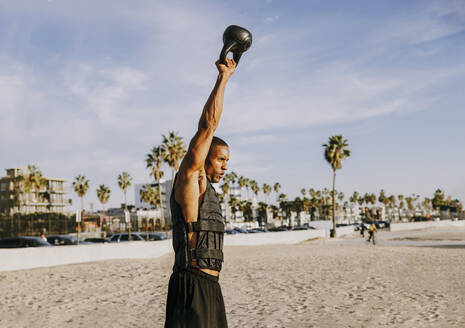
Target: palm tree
(247, 186)
(392, 204)
(254, 186)
(427, 204)
(303, 191)
(81, 185)
(401, 204)
(173, 150)
(225, 189)
(154, 161)
(335, 151)
(233, 204)
(266, 190)
(35, 180)
(150, 195)
(438, 199)
(125, 181)
(282, 204)
(246, 208)
(242, 183)
(410, 206)
(276, 187)
(103, 194)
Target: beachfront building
(14, 198)
(149, 211)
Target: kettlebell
(237, 40)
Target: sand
(321, 283)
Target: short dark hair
(217, 142)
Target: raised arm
(209, 120)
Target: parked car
(153, 235)
(255, 230)
(25, 241)
(96, 240)
(384, 224)
(420, 219)
(301, 228)
(231, 232)
(124, 236)
(61, 240)
(240, 230)
(281, 228)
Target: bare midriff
(207, 271)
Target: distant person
(42, 235)
(362, 230)
(371, 233)
(194, 294)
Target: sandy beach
(321, 283)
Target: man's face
(217, 163)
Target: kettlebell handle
(236, 40)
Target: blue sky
(89, 87)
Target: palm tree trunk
(334, 204)
(161, 202)
(79, 223)
(129, 222)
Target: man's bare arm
(209, 120)
(187, 184)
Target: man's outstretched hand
(228, 69)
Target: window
(3, 186)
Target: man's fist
(227, 69)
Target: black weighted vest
(210, 233)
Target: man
(194, 295)
(371, 231)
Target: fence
(59, 223)
(33, 224)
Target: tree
(401, 204)
(410, 206)
(438, 199)
(233, 204)
(392, 203)
(266, 190)
(277, 187)
(103, 194)
(427, 204)
(154, 161)
(242, 183)
(124, 181)
(334, 152)
(247, 186)
(173, 150)
(254, 186)
(225, 189)
(34, 181)
(282, 204)
(151, 195)
(81, 185)
(246, 208)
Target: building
(14, 199)
(166, 187)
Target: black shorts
(194, 301)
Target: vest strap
(207, 253)
(205, 225)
